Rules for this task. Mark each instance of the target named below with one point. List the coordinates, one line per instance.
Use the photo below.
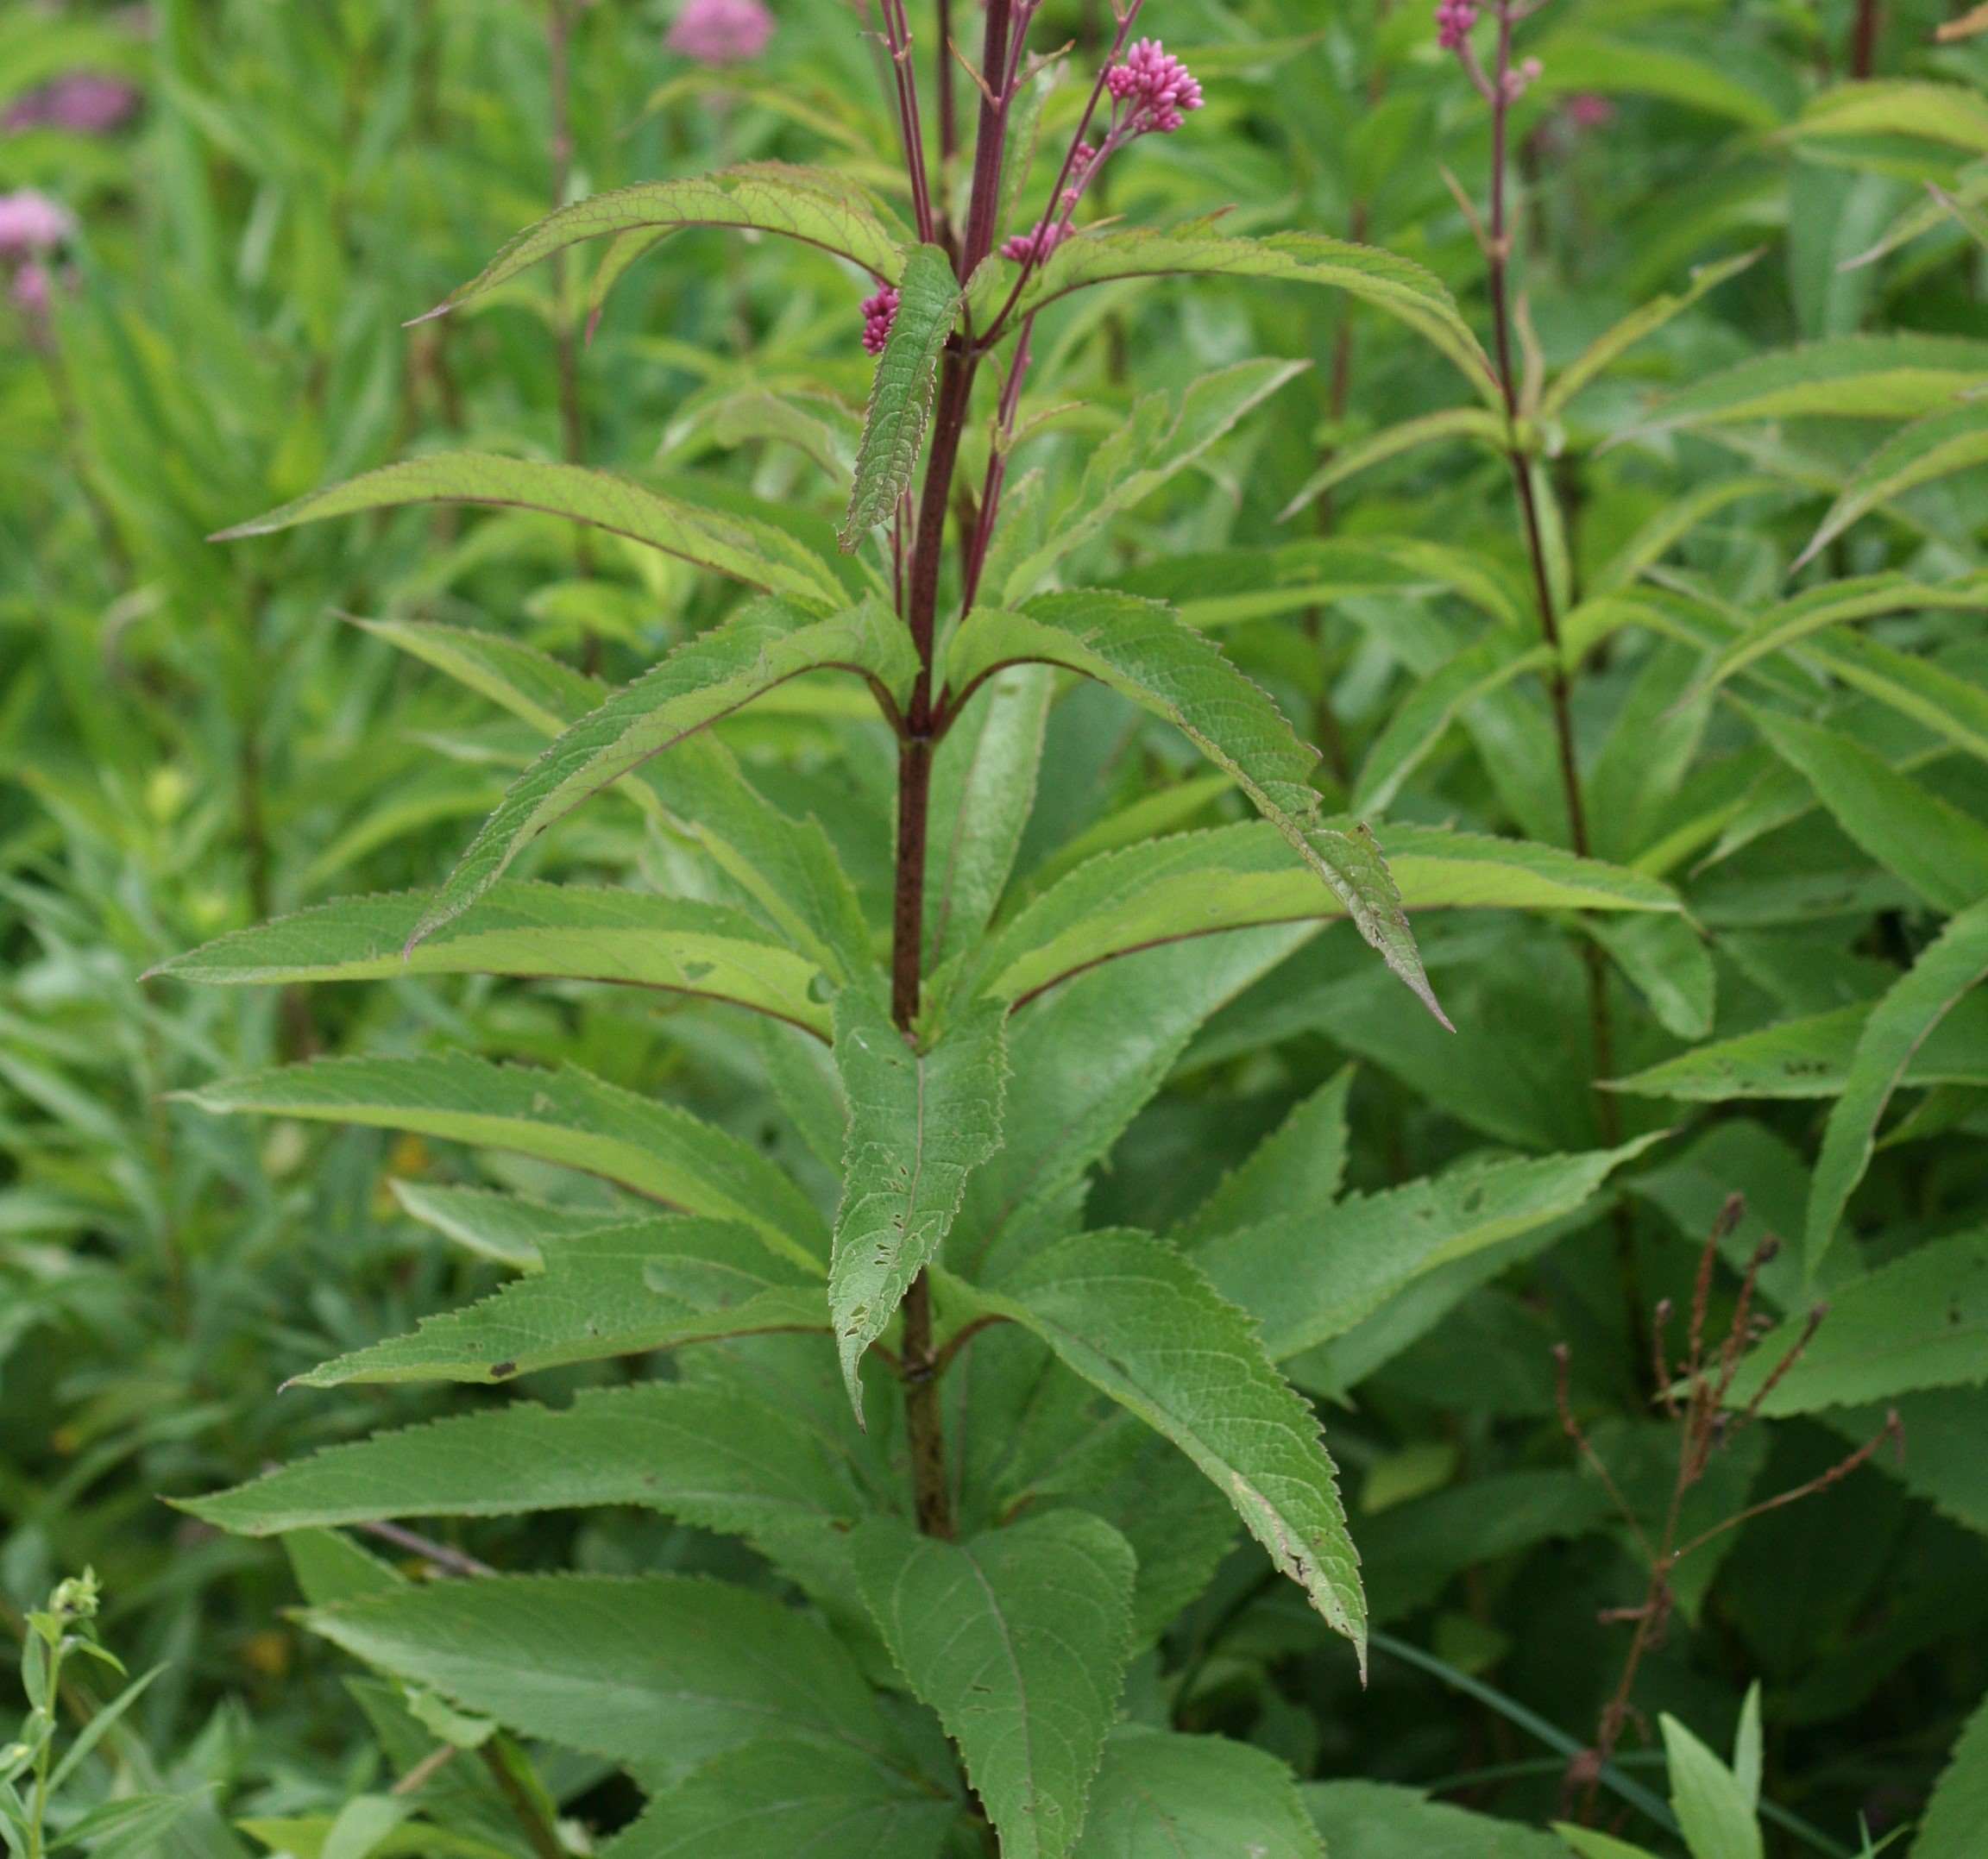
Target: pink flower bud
(720, 31)
(85, 103)
(32, 290)
(879, 312)
(1037, 244)
(1589, 110)
(1155, 88)
(1521, 77)
(32, 222)
(1454, 19)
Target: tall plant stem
(1559, 685)
(1863, 39)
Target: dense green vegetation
(1429, 1298)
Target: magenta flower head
(1454, 19)
(31, 223)
(1156, 89)
(85, 103)
(720, 31)
(879, 312)
(1037, 245)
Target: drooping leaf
(618, 1290)
(1139, 1322)
(666, 1670)
(1959, 1809)
(1920, 1322)
(1953, 707)
(1310, 1274)
(566, 1116)
(920, 1122)
(706, 678)
(1476, 423)
(1018, 1638)
(510, 1228)
(1835, 604)
(799, 1798)
(1142, 651)
(1845, 377)
(1158, 1796)
(741, 546)
(1229, 878)
(1665, 960)
(1898, 1028)
(1811, 1057)
(1954, 439)
(542, 931)
(1942, 852)
(901, 394)
(817, 206)
(1574, 60)
(1948, 113)
(1297, 1167)
(1164, 435)
(1420, 720)
(1396, 286)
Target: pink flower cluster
(1158, 89)
(1454, 19)
(31, 226)
(1038, 244)
(720, 31)
(85, 103)
(879, 312)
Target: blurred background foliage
(193, 739)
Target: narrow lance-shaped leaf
(1141, 1323)
(545, 931)
(742, 546)
(814, 205)
(901, 394)
(1936, 446)
(1399, 286)
(1141, 650)
(712, 1456)
(704, 679)
(567, 1116)
(512, 1229)
(1345, 462)
(1297, 1167)
(617, 1290)
(665, 1670)
(920, 1122)
(1018, 1639)
(1899, 1025)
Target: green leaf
(1665, 959)
(1639, 325)
(1942, 852)
(1577, 61)
(1948, 113)
(1846, 377)
(1142, 651)
(1710, 1804)
(1018, 1639)
(801, 1799)
(1137, 1321)
(817, 206)
(707, 1455)
(1953, 707)
(1160, 1796)
(1954, 439)
(566, 1116)
(1589, 1845)
(1421, 719)
(1165, 433)
(1833, 604)
(742, 546)
(1310, 1274)
(1230, 877)
(618, 1290)
(1487, 428)
(1810, 1057)
(519, 678)
(1920, 1322)
(1299, 1167)
(901, 393)
(706, 678)
(541, 931)
(983, 788)
(665, 1670)
(1402, 289)
(919, 1123)
(510, 1228)
(1959, 1809)
(1375, 1820)
(1898, 1026)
